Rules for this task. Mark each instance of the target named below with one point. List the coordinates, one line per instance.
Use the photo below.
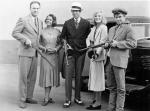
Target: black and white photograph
(75, 55)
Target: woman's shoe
(91, 107)
(51, 100)
(45, 102)
(67, 104)
(93, 101)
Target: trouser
(116, 84)
(76, 63)
(27, 79)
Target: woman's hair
(54, 22)
(103, 21)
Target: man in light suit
(75, 32)
(27, 31)
(123, 39)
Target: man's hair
(33, 2)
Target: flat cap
(119, 10)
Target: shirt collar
(33, 18)
(78, 19)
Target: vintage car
(138, 70)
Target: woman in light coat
(96, 82)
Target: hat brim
(76, 9)
(120, 12)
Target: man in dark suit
(75, 32)
(123, 39)
(27, 31)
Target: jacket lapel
(118, 32)
(40, 26)
(72, 24)
(98, 31)
(30, 21)
(94, 37)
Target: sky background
(11, 10)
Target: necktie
(76, 23)
(36, 23)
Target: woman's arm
(59, 42)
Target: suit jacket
(76, 38)
(100, 37)
(126, 40)
(26, 29)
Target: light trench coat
(96, 73)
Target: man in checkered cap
(75, 32)
(122, 40)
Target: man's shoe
(67, 104)
(79, 102)
(31, 101)
(91, 107)
(22, 104)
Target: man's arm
(41, 43)
(17, 32)
(130, 41)
(64, 32)
(88, 29)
